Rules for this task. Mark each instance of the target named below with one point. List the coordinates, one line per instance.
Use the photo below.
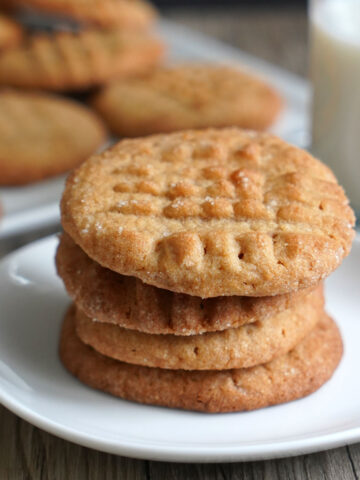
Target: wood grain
(28, 453)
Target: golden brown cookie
(10, 32)
(107, 13)
(240, 347)
(44, 135)
(187, 96)
(289, 377)
(130, 303)
(210, 213)
(73, 61)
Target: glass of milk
(335, 73)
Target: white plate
(36, 205)
(35, 386)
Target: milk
(335, 72)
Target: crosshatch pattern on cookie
(66, 60)
(130, 303)
(210, 213)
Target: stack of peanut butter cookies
(195, 261)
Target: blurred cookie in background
(42, 135)
(129, 14)
(67, 61)
(187, 96)
(10, 32)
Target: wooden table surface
(28, 453)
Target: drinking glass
(335, 74)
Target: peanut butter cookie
(210, 213)
(240, 347)
(43, 135)
(187, 96)
(128, 302)
(291, 376)
(75, 61)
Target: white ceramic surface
(36, 205)
(34, 385)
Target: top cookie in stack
(210, 213)
(157, 226)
